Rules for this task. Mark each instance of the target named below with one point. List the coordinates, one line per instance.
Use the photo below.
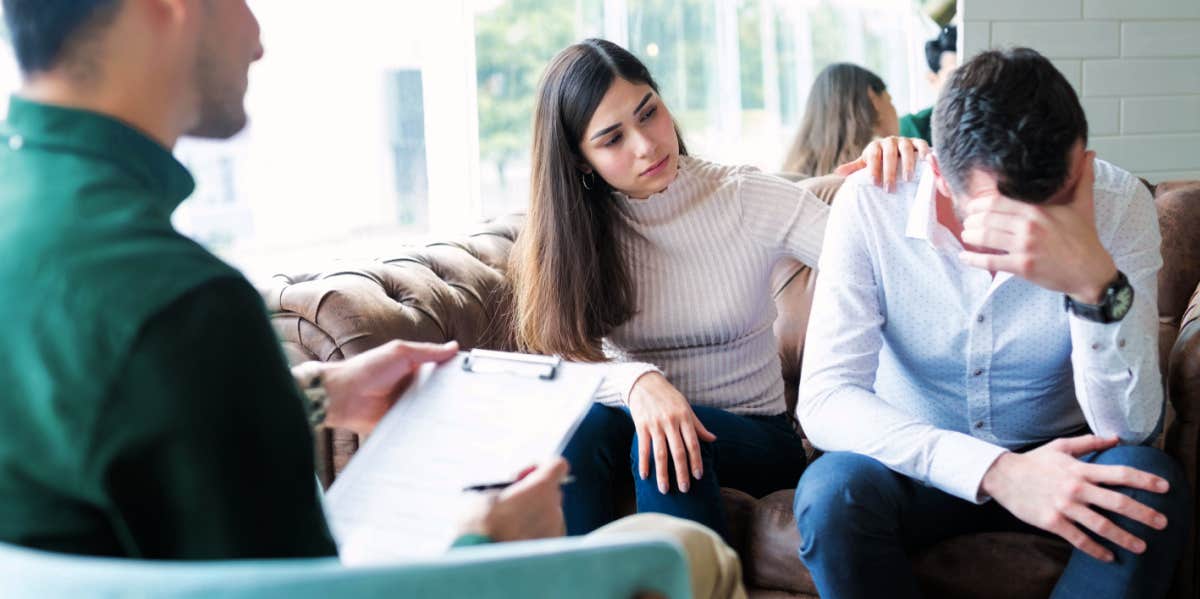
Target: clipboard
(483, 415)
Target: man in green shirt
(941, 54)
(147, 408)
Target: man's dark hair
(1012, 114)
(43, 30)
(946, 41)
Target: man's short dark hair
(946, 41)
(42, 30)
(1012, 114)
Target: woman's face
(630, 141)
(888, 123)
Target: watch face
(1122, 301)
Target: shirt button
(978, 424)
(1095, 346)
(977, 372)
(979, 318)
(1121, 343)
(16, 142)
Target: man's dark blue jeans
(859, 522)
(755, 454)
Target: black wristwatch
(1113, 306)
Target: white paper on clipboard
(401, 496)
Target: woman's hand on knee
(883, 155)
(667, 428)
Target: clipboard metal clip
(546, 367)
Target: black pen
(566, 480)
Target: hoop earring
(588, 180)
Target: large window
(10, 75)
(734, 72)
(374, 124)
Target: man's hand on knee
(1051, 489)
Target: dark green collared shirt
(918, 125)
(147, 410)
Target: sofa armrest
(1183, 436)
(450, 290)
(1183, 369)
(587, 568)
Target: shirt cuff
(1098, 346)
(619, 381)
(470, 539)
(960, 463)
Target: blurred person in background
(847, 108)
(941, 55)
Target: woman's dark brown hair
(570, 282)
(839, 120)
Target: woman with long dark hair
(636, 253)
(848, 106)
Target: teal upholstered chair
(583, 568)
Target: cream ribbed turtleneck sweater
(700, 254)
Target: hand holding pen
(528, 508)
(500, 486)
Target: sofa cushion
(997, 565)
(772, 561)
(792, 284)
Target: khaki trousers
(716, 571)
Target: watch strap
(316, 404)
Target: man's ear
(939, 181)
(174, 11)
(171, 20)
(932, 78)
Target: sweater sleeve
(203, 450)
(782, 217)
(622, 374)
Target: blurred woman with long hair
(848, 106)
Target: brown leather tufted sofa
(456, 290)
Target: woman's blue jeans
(859, 522)
(754, 454)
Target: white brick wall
(1135, 64)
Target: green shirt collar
(35, 124)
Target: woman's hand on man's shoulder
(887, 158)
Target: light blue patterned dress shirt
(936, 368)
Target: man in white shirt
(982, 353)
